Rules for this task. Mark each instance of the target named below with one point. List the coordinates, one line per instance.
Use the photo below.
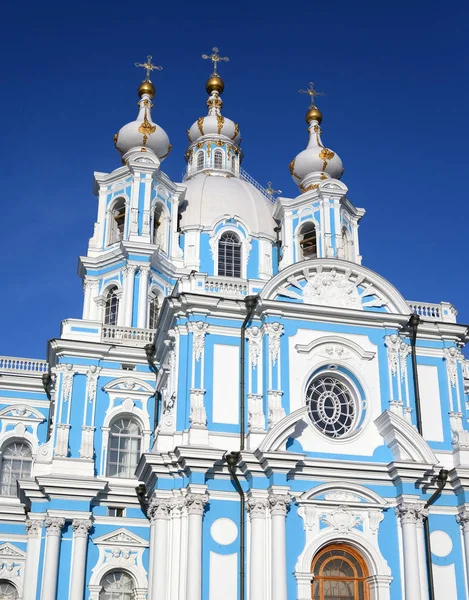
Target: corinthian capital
(257, 508)
(279, 504)
(158, 508)
(54, 525)
(33, 528)
(463, 518)
(81, 527)
(410, 512)
(196, 504)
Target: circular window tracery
(332, 406)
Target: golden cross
(311, 92)
(149, 67)
(270, 190)
(215, 58)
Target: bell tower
(321, 222)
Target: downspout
(278, 244)
(46, 383)
(150, 352)
(233, 458)
(443, 474)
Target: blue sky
(395, 76)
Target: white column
(463, 519)
(408, 514)
(278, 507)
(195, 510)
(31, 565)
(80, 528)
(257, 508)
(87, 286)
(158, 512)
(128, 274)
(421, 515)
(143, 296)
(51, 559)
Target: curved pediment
(128, 385)
(338, 492)
(336, 283)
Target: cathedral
(244, 411)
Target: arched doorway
(340, 573)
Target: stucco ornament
(331, 289)
(342, 519)
(199, 330)
(452, 356)
(255, 340)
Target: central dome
(208, 198)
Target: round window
(331, 405)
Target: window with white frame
(332, 405)
(200, 161)
(345, 243)
(229, 255)
(157, 219)
(16, 464)
(308, 241)
(218, 159)
(153, 311)
(125, 440)
(117, 585)
(117, 221)
(111, 308)
(8, 591)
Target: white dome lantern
(316, 162)
(143, 134)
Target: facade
(237, 373)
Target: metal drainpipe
(278, 243)
(46, 382)
(233, 458)
(443, 474)
(150, 352)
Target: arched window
(8, 591)
(153, 310)
(200, 161)
(157, 218)
(117, 585)
(339, 573)
(218, 159)
(125, 439)
(16, 464)
(117, 222)
(308, 241)
(112, 306)
(345, 243)
(229, 255)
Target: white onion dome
(209, 198)
(214, 124)
(316, 162)
(143, 134)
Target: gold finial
(149, 67)
(312, 93)
(215, 58)
(270, 190)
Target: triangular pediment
(120, 537)
(9, 551)
(335, 283)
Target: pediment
(335, 346)
(21, 411)
(128, 385)
(339, 492)
(120, 537)
(12, 552)
(335, 283)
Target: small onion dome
(214, 124)
(143, 132)
(315, 162)
(146, 87)
(214, 84)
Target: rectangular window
(114, 511)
